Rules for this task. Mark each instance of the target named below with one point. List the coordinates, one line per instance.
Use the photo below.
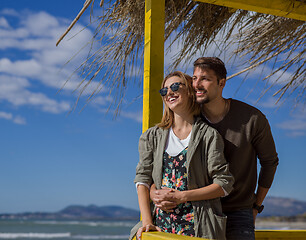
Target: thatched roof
(263, 38)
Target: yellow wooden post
(153, 62)
(284, 8)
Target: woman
(185, 155)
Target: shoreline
(279, 225)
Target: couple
(182, 165)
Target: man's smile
(200, 92)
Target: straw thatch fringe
(262, 38)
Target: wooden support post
(153, 62)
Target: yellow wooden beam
(280, 234)
(153, 62)
(284, 8)
(259, 235)
(167, 236)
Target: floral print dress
(181, 220)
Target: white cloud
(7, 43)
(4, 23)
(296, 126)
(6, 116)
(268, 103)
(15, 91)
(136, 116)
(279, 78)
(10, 117)
(19, 120)
(13, 34)
(38, 24)
(102, 101)
(38, 60)
(9, 12)
(25, 68)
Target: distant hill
(274, 206)
(279, 206)
(91, 212)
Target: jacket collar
(162, 140)
(198, 130)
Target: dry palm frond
(120, 36)
(263, 38)
(283, 40)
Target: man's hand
(260, 196)
(255, 212)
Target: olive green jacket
(205, 165)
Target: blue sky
(51, 159)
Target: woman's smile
(172, 99)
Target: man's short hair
(212, 63)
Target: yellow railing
(259, 235)
(280, 234)
(165, 236)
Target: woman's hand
(146, 228)
(162, 200)
(175, 196)
(166, 198)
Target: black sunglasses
(174, 87)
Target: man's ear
(222, 82)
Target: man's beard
(203, 101)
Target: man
(247, 136)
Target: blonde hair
(168, 115)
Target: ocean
(92, 230)
(64, 230)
